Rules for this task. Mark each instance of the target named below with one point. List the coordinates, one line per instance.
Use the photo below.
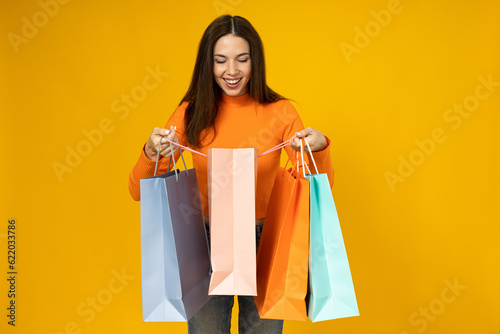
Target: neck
(237, 100)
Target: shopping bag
(174, 250)
(231, 195)
(282, 258)
(331, 290)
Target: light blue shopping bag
(331, 290)
(174, 252)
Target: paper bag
(174, 251)
(282, 259)
(231, 195)
(331, 290)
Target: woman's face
(232, 65)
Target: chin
(234, 94)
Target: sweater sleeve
(145, 167)
(322, 158)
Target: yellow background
(404, 243)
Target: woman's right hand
(151, 148)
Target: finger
(306, 132)
(158, 132)
(161, 135)
(294, 144)
(171, 134)
(162, 143)
(170, 146)
(166, 151)
(310, 140)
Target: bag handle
(170, 161)
(304, 164)
(277, 147)
(184, 147)
(311, 155)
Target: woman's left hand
(317, 141)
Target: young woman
(229, 105)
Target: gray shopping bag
(174, 250)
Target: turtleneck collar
(241, 100)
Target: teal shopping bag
(331, 290)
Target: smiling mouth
(232, 81)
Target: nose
(232, 68)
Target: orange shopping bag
(282, 258)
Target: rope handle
(312, 157)
(170, 161)
(278, 147)
(304, 165)
(183, 147)
(273, 149)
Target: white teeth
(232, 82)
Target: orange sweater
(241, 123)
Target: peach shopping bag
(231, 195)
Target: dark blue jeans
(215, 316)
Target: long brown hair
(204, 94)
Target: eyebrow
(241, 54)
